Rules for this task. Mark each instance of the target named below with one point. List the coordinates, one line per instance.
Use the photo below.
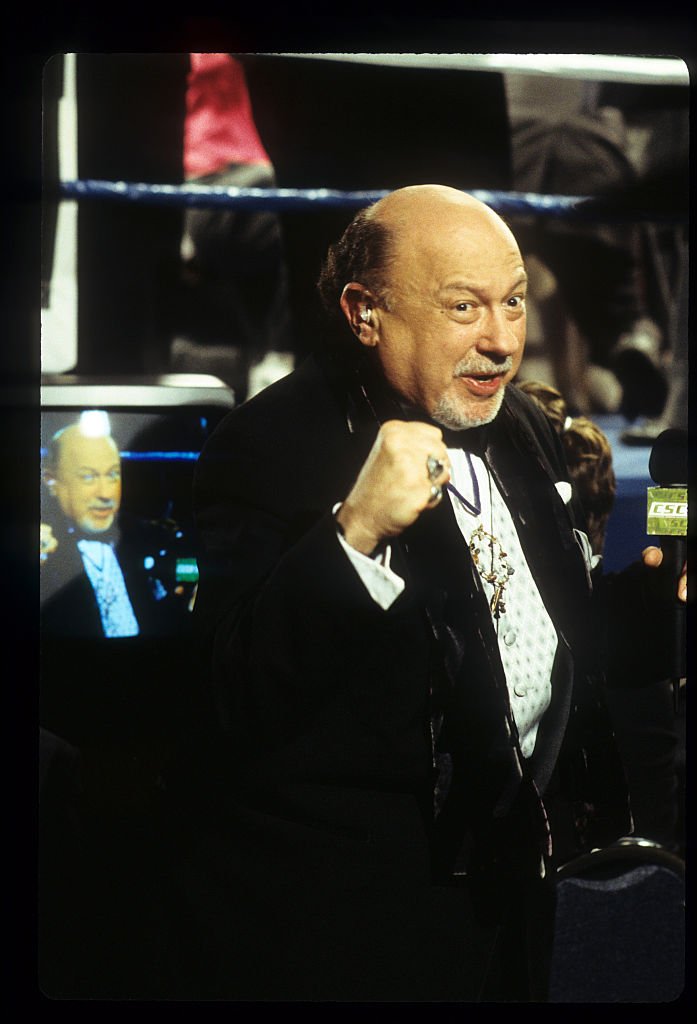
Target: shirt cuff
(383, 585)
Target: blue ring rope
(589, 209)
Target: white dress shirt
(106, 577)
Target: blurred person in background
(646, 725)
(235, 320)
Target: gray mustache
(465, 369)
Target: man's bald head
(400, 220)
(409, 213)
(427, 198)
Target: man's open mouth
(483, 383)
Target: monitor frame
(76, 391)
(149, 683)
(163, 396)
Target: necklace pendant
(496, 577)
(497, 605)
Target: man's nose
(498, 335)
(105, 488)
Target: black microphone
(667, 518)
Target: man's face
(456, 331)
(88, 481)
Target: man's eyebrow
(457, 286)
(93, 469)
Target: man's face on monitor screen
(87, 482)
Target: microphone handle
(674, 554)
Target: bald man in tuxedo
(408, 639)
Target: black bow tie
(108, 537)
(473, 440)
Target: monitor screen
(117, 546)
(122, 675)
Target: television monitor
(117, 562)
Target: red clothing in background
(219, 127)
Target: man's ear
(357, 306)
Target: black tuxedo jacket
(328, 697)
(327, 701)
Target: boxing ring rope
(587, 209)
